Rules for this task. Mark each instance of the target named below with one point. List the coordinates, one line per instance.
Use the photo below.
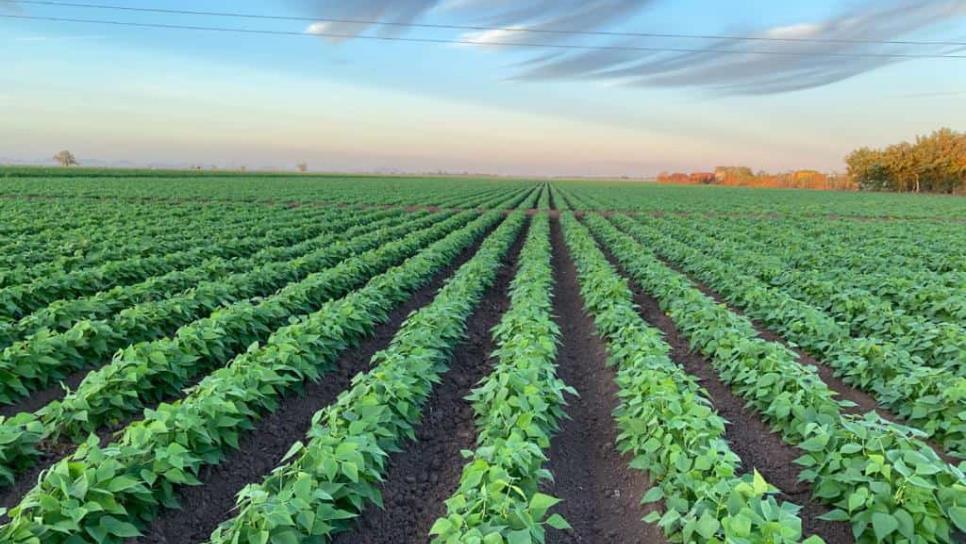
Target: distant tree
(942, 157)
(869, 169)
(302, 167)
(734, 175)
(934, 163)
(66, 158)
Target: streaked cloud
(817, 53)
(388, 11)
(731, 66)
(541, 16)
(535, 15)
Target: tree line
(932, 164)
(743, 176)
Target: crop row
(878, 476)
(883, 250)
(670, 427)
(58, 250)
(48, 356)
(227, 189)
(933, 400)
(62, 314)
(71, 219)
(518, 407)
(177, 234)
(877, 269)
(131, 479)
(152, 243)
(941, 345)
(558, 198)
(149, 372)
(20, 300)
(327, 481)
(281, 244)
(938, 248)
(543, 203)
(920, 215)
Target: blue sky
(149, 96)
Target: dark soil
(600, 492)
(51, 452)
(427, 472)
(749, 436)
(11, 496)
(863, 401)
(39, 399)
(260, 451)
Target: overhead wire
(443, 26)
(485, 43)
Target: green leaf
(849, 449)
(441, 527)
(540, 503)
(558, 522)
(707, 526)
(759, 484)
(493, 538)
(653, 494)
(883, 525)
(119, 528)
(286, 537)
(351, 471)
(958, 515)
(519, 537)
(835, 515)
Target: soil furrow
(42, 397)
(261, 450)
(427, 472)
(600, 492)
(748, 435)
(51, 452)
(863, 401)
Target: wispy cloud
(731, 66)
(541, 16)
(535, 15)
(389, 11)
(807, 54)
(9, 6)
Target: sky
(771, 85)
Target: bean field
(253, 359)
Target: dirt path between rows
(748, 435)
(261, 450)
(601, 493)
(42, 397)
(863, 402)
(427, 472)
(51, 452)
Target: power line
(239, 30)
(58, 3)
